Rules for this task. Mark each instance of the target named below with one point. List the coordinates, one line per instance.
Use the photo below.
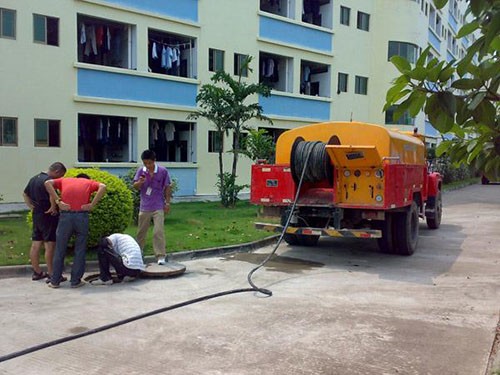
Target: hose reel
(319, 167)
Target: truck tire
(406, 227)
(386, 242)
(308, 240)
(434, 221)
(290, 239)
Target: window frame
(215, 141)
(52, 140)
(360, 18)
(47, 41)
(343, 12)
(398, 49)
(213, 60)
(3, 119)
(341, 88)
(358, 86)
(239, 59)
(2, 12)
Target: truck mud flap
(305, 231)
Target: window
(171, 54)
(407, 50)
(215, 141)
(215, 60)
(46, 30)
(239, 65)
(172, 141)
(106, 138)
(283, 8)
(276, 71)
(342, 82)
(317, 12)
(7, 23)
(104, 42)
(405, 119)
(47, 133)
(8, 131)
(363, 21)
(345, 15)
(361, 85)
(315, 79)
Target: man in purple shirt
(153, 182)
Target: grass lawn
(189, 226)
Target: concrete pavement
(339, 308)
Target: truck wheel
(435, 221)
(308, 240)
(406, 227)
(290, 239)
(386, 242)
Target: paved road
(339, 308)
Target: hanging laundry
(83, 37)
(154, 53)
(99, 35)
(90, 43)
(169, 131)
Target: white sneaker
(128, 279)
(161, 261)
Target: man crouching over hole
(124, 254)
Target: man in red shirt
(74, 206)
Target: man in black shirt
(44, 221)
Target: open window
(172, 141)
(314, 79)
(47, 133)
(46, 30)
(276, 71)
(106, 138)
(104, 42)
(172, 54)
(283, 8)
(317, 12)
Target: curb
(93, 266)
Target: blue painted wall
(109, 85)
(290, 33)
(186, 178)
(184, 9)
(295, 107)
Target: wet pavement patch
(76, 330)
(276, 263)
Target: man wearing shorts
(44, 220)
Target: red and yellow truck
(349, 179)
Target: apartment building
(92, 83)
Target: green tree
(224, 102)
(258, 145)
(459, 97)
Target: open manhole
(152, 270)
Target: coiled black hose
(312, 158)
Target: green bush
(113, 213)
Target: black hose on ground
(254, 288)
